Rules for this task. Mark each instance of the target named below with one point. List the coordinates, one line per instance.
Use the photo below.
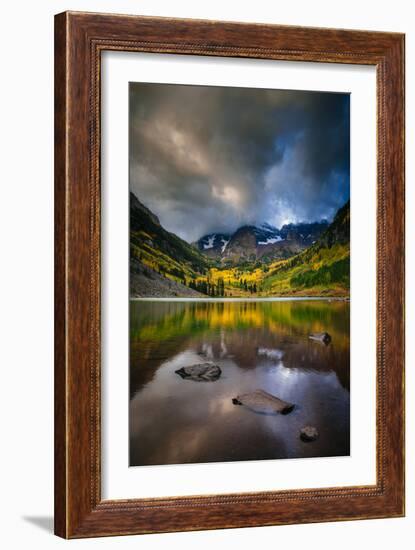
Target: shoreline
(241, 299)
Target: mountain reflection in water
(257, 344)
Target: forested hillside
(307, 259)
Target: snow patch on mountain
(267, 234)
(271, 240)
(210, 243)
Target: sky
(210, 159)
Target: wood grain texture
(79, 40)
(60, 278)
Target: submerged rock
(323, 337)
(308, 433)
(263, 402)
(201, 372)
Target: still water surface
(258, 345)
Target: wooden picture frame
(79, 40)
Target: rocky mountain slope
(298, 259)
(213, 245)
(265, 242)
(159, 258)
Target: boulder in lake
(308, 433)
(201, 372)
(263, 402)
(322, 337)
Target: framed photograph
(229, 275)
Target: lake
(260, 344)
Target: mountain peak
(264, 241)
(138, 206)
(268, 226)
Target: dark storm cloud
(209, 159)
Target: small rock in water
(323, 337)
(201, 372)
(308, 433)
(263, 402)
